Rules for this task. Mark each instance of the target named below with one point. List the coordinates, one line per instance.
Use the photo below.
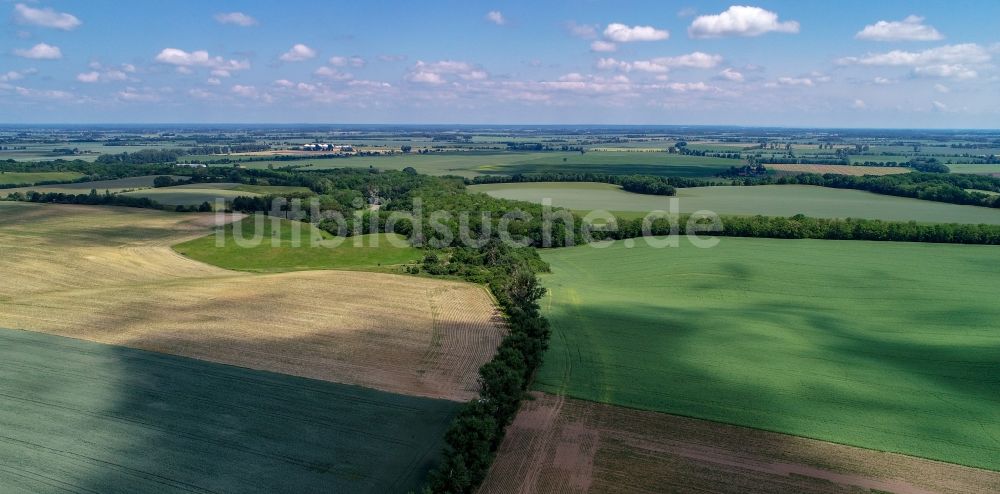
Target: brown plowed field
(562, 445)
(108, 275)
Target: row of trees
(800, 226)
(475, 434)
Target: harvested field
(558, 445)
(109, 275)
(839, 169)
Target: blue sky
(849, 63)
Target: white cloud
(966, 53)
(939, 106)
(882, 81)
(220, 73)
(949, 71)
(331, 73)
(101, 73)
(496, 17)
(909, 29)
(620, 33)
(49, 94)
(298, 53)
(347, 61)
(200, 93)
(585, 31)
(213, 81)
(950, 61)
(199, 58)
(244, 91)
(941, 88)
(731, 75)
(695, 60)
(132, 94)
(434, 73)
(41, 51)
(684, 87)
(14, 75)
(45, 17)
(89, 77)
(236, 18)
(602, 46)
(740, 20)
(792, 81)
(859, 104)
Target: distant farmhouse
(192, 165)
(328, 147)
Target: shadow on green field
(795, 368)
(87, 417)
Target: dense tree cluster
(142, 157)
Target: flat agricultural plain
(563, 445)
(768, 200)
(880, 345)
(109, 275)
(839, 169)
(82, 417)
(473, 163)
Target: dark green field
(86, 418)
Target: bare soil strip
(559, 444)
(108, 275)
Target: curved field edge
(268, 245)
(559, 444)
(842, 341)
(88, 417)
(109, 275)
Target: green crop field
(187, 196)
(890, 346)
(85, 417)
(973, 168)
(376, 252)
(35, 177)
(767, 200)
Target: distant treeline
(938, 187)
(800, 226)
(640, 184)
(92, 199)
